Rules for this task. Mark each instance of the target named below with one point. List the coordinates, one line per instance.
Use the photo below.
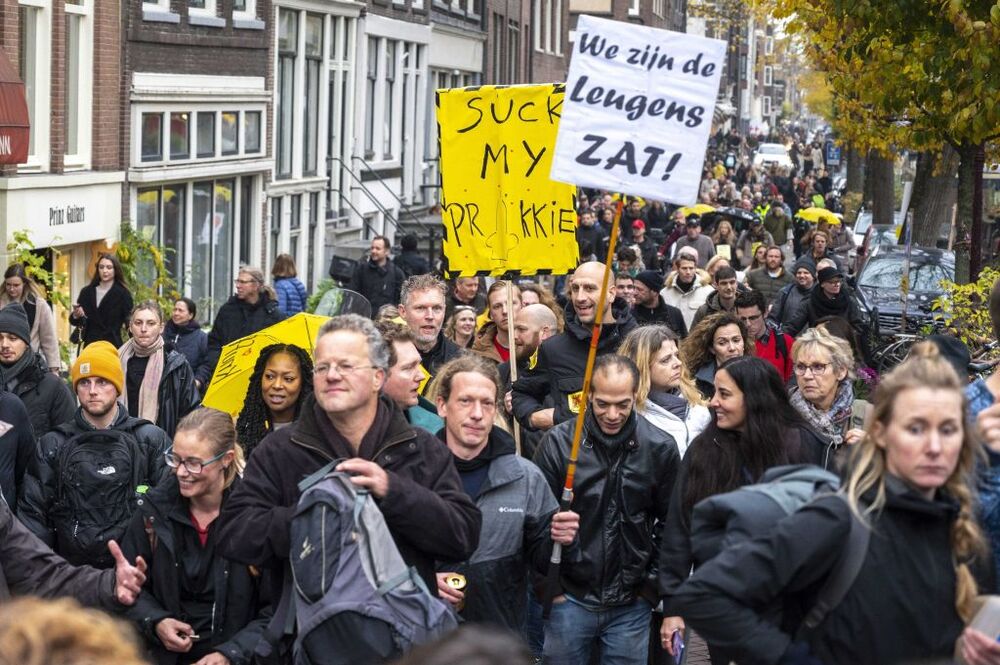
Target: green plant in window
(144, 267)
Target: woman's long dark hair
(253, 422)
(119, 275)
(722, 460)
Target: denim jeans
(620, 633)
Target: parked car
(772, 154)
(878, 287)
(877, 236)
(863, 222)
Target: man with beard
(686, 288)
(421, 306)
(533, 325)
(112, 450)
(25, 373)
(790, 298)
(773, 277)
(378, 279)
(558, 374)
(649, 306)
(492, 339)
(724, 298)
(520, 518)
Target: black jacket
(239, 615)
(379, 284)
(104, 322)
(595, 236)
(237, 319)
(561, 363)
(622, 493)
(413, 263)
(676, 558)
(192, 342)
(663, 313)
(42, 480)
(47, 398)
(427, 511)
(17, 447)
(443, 351)
(177, 396)
(901, 607)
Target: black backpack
(99, 478)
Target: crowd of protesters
(453, 408)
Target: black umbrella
(739, 217)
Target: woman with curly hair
(666, 395)
(713, 341)
(279, 385)
(908, 481)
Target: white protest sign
(638, 110)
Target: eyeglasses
(816, 368)
(343, 369)
(192, 464)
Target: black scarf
(497, 445)
(670, 401)
(685, 287)
(611, 440)
(826, 306)
(11, 375)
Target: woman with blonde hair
(713, 341)
(908, 481)
(725, 236)
(666, 394)
(196, 606)
(461, 326)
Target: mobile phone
(980, 397)
(677, 641)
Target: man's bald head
(585, 291)
(533, 325)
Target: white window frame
(208, 10)
(633, 7)
(767, 105)
(85, 93)
(768, 75)
(40, 114)
(159, 4)
(417, 4)
(470, 9)
(216, 108)
(249, 14)
(769, 46)
(658, 7)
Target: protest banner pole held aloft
(512, 347)
(555, 562)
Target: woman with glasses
(823, 392)
(753, 428)
(461, 326)
(159, 382)
(196, 607)
(279, 385)
(18, 287)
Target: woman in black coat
(104, 305)
(196, 606)
(914, 591)
(754, 428)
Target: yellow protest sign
(501, 212)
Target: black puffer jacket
(621, 492)
(239, 614)
(178, 395)
(236, 319)
(561, 363)
(901, 607)
(47, 398)
(192, 342)
(42, 479)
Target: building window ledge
(248, 24)
(209, 21)
(160, 16)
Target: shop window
(180, 137)
(251, 132)
(160, 218)
(152, 137)
(211, 265)
(206, 134)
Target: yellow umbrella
(816, 215)
(696, 209)
(236, 362)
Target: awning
(14, 122)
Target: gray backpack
(355, 600)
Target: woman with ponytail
(908, 482)
(196, 607)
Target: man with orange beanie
(82, 487)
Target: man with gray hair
(422, 307)
(408, 471)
